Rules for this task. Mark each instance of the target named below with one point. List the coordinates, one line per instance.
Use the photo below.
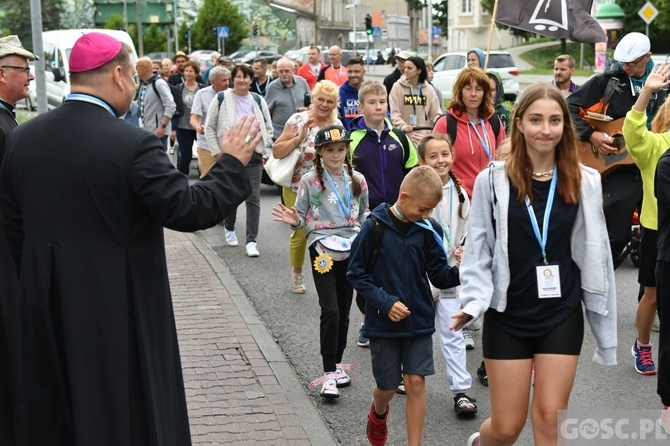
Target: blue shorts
(391, 357)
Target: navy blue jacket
(399, 274)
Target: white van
(57, 46)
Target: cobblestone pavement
(239, 387)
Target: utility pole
(38, 49)
(125, 15)
(176, 29)
(140, 39)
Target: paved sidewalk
(240, 388)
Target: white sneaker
(231, 238)
(341, 378)
(329, 389)
(476, 325)
(252, 251)
(469, 342)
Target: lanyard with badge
(81, 97)
(335, 247)
(483, 140)
(414, 118)
(548, 275)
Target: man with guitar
(598, 109)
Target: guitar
(605, 163)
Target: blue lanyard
(446, 224)
(9, 112)
(483, 141)
(542, 238)
(411, 93)
(91, 100)
(426, 225)
(346, 209)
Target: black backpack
(176, 96)
(494, 120)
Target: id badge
(548, 281)
(413, 120)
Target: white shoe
(476, 325)
(469, 342)
(252, 251)
(329, 389)
(341, 378)
(231, 238)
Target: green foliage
(154, 39)
(79, 14)
(543, 58)
(17, 18)
(441, 15)
(115, 22)
(219, 13)
(417, 5)
(658, 29)
(183, 42)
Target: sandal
(482, 376)
(298, 283)
(464, 405)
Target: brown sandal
(298, 283)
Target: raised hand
(658, 78)
(285, 215)
(242, 140)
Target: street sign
(376, 32)
(437, 31)
(222, 32)
(648, 13)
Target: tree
(155, 40)
(116, 22)
(441, 15)
(79, 14)
(658, 29)
(216, 13)
(17, 18)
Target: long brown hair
(465, 77)
(518, 165)
(355, 184)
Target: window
(454, 62)
(467, 6)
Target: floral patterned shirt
(307, 152)
(321, 212)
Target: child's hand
(285, 215)
(398, 312)
(458, 255)
(460, 319)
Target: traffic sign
(376, 31)
(222, 32)
(648, 13)
(437, 31)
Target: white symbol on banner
(546, 20)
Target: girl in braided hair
(451, 213)
(332, 202)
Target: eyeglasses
(636, 61)
(25, 70)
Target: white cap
(631, 47)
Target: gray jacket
(157, 106)
(485, 274)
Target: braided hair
(318, 166)
(421, 149)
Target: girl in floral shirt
(332, 203)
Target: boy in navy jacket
(399, 312)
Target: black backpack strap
(377, 239)
(494, 120)
(257, 98)
(404, 142)
(451, 127)
(220, 97)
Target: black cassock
(85, 198)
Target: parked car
(160, 55)
(203, 57)
(248, 58)
(448, 65)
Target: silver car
(449, 65)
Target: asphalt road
(294, 322)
